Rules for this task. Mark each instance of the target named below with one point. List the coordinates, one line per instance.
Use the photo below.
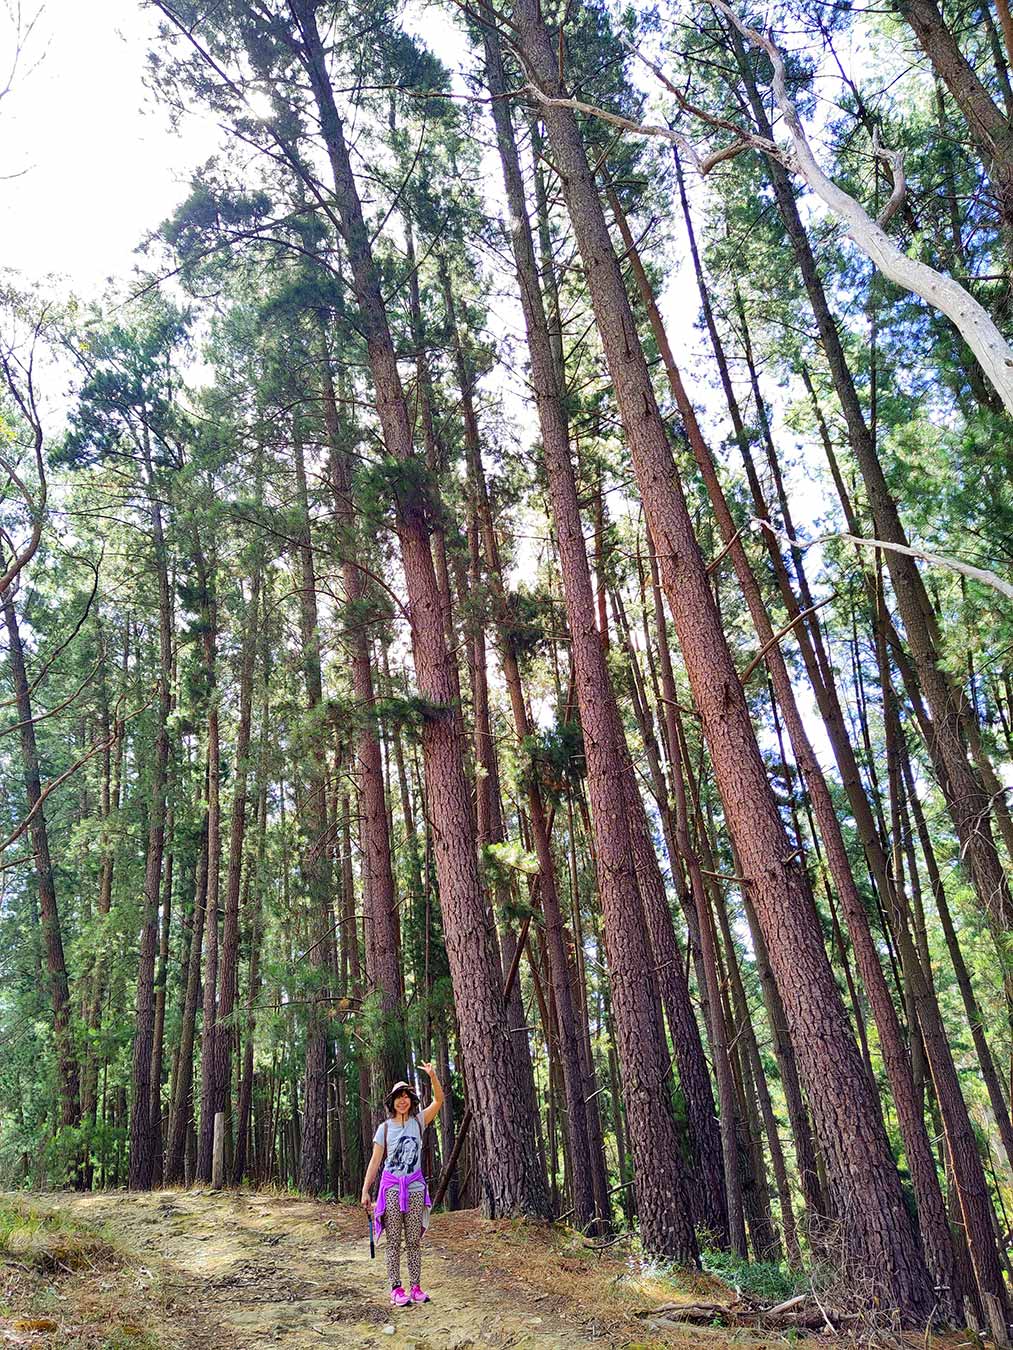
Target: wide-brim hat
(396, 1090)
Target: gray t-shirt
(404, 1148)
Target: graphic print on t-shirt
(404, 1159)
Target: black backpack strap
(385, 1123)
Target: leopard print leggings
(409, 1227)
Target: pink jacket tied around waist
(388, 1181)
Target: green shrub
(766, 1281)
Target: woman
(402, 1204)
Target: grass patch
(62, 1283)
(768, 1282)
(45, 1240)
(130, 1338)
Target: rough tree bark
(661, 1200)
(990, 129)
(877, 1231)
(510, 1172)
(932, 1212)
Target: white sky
(98, 164)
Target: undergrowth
(766, 1281)
(46, 1240)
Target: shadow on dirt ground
(195, 1270)
(237, 1269)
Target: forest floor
(192, 1270)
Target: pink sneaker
(398, 1297)
(417, 1295)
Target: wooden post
(218, 1152)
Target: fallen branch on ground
(802, 1312)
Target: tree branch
(981, 574)
(971, 320)
(943, 293)
(96, 749)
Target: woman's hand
(367, 1204)
(429, 1114)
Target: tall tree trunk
(965, 1160)
(990, 129)
(718, 1027)
(972, 1009)
(244, 1110)
(219, 1038)
(666, 1226)
(967, 799)
(390, 1061)
(179, 1109)
(142, 1133)
(747, 1033)
(112, 764)
(49, 913)
(512, 1179)
(707, 1182)
(211, 1087)
(935, 1231)
(877, 1231)
(582, 1163)
(314, 863)
(161, 993)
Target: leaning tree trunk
(932, 1213)
(49, 914)
(990, 129)
(877, 1231)
(511, 1175)
(966, 797)
(662, 1204)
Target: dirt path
(192, 1270)
(260, 1270)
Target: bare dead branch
(942, 292)
(62, 646)
(783, 632)
(981, 574)
(895, 162)
(52, 712)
